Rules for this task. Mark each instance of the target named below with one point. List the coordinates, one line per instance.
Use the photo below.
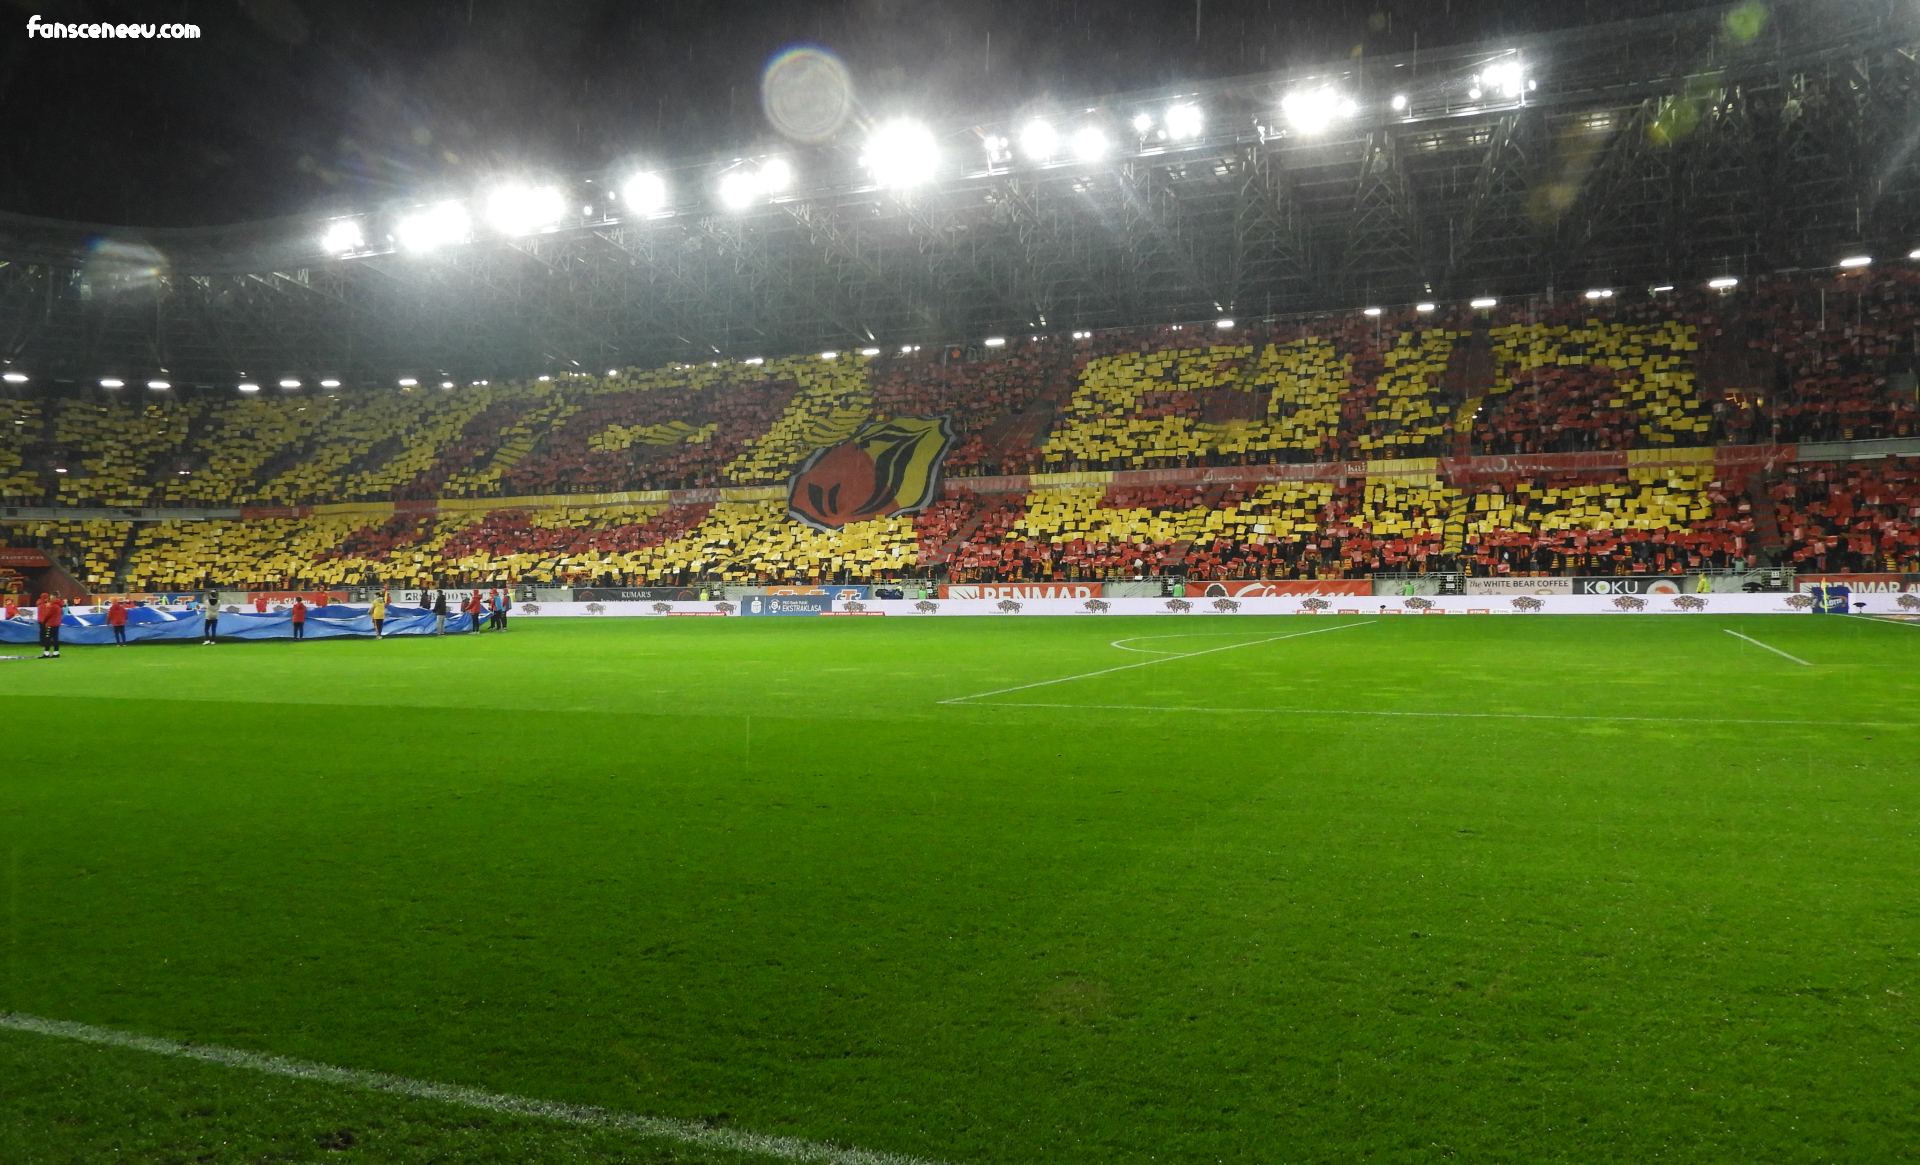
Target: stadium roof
(1734, 141)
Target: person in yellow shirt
(378, 612)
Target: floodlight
(1038, 141)
(1600, 293)
(446, 384)
(343, 236)
(1313, 110)
(1185, 121)
(905, 349)
(1723, 282)
(1506, 79)
(996, 341)
(1856, 261)
(1089, 144)
(435, 226)
(329, 383)
(290, 382)
(869, 351)
(1664, 287)
(249, 386)
(1224, 325)
(901, 153)
(545, 379)
(1399, 102)
(1424, 307)
(755, 360)
(112, 382)
(616, 371)
(644, 194)
(1370, 311)
(1485, 301)
(1914, 254)
(829, 355)
(738, 189)
(522, 210)
(775, 175)
(14, 377)
(159, 385)
(1142, 122)
(408, 382)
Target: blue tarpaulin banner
(144, 623)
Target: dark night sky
(288, 105)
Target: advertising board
(1273, 588)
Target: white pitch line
(1148, 663)
(1455, 715)
(1775, 650)
(582, 1115)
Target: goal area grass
(1582, 889)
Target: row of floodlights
(898, 154)
(1483, 303)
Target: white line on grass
(583, 1115)
(1453, 715)
(1906, 621)
(1775, 650)
(1149, 663)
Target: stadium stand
(1645, 436)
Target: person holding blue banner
(50, 612)
(212, 616)
(117, 619)
(299, 618)
(378, 613)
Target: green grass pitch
(1639, 890)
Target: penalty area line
(1456, 715)
(1107, 671)
(1775, 650)
(580, 1115)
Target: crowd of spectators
(1782, 359)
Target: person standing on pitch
(210, 617)
(299, 617)
(378, 612)
(50, 612)
(117, 619)
(440, 612)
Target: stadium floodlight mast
(112, 382)
(1371, 311)
(1142, 123)
(1483, 303)
(869, 351)
(159, 385)
(901, 154)
(996, 341)
(14, 377)
(1723, 282)
(1039, 141)
(343, 236)
(1311, 111)
(1857, 261)
(644, 194)
(248, 386)
(1600, 293)
(408, 382)
(830, 354)
(1425, 307)
(1225, 325)
(436, 226)
(290, 383)
(520, 209)
(329, 383)
(1399, 103)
